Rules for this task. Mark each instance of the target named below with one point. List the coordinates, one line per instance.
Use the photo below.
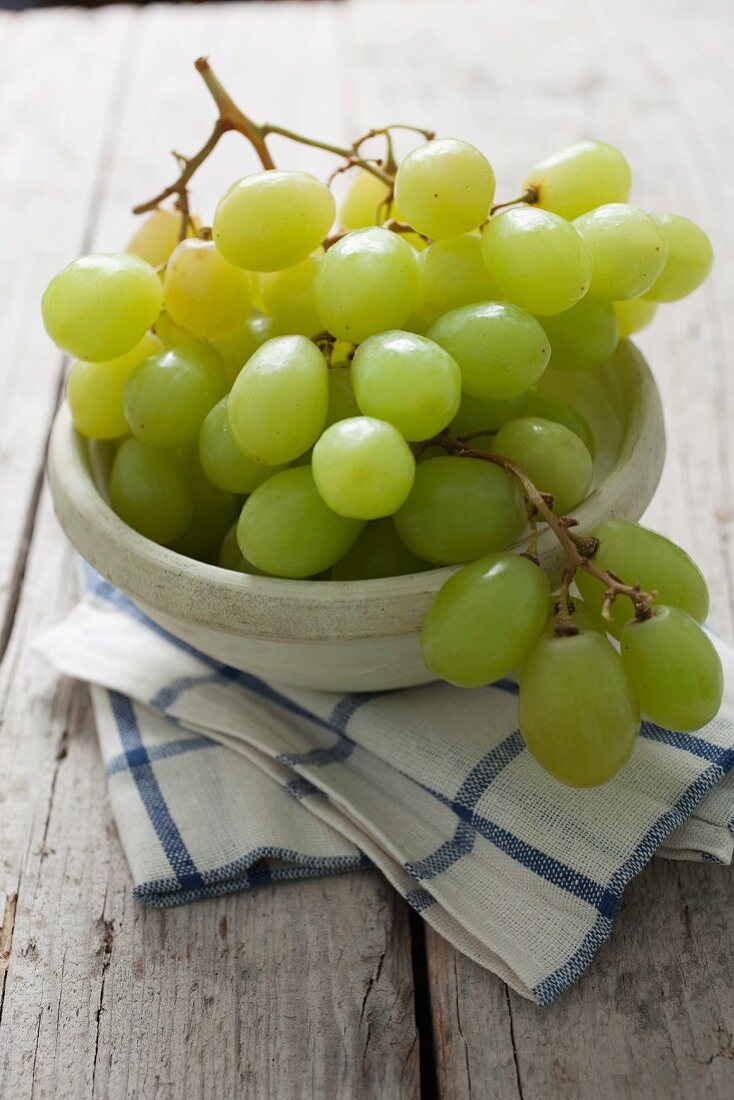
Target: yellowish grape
(444, 188)
(579, 177)
(203, 293)
(94, 391)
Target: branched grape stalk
(579, 551)
(232, 118)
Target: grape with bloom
(304, 394)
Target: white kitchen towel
(219, 781)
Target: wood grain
(308, 990)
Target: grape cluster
(302, 401)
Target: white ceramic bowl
(349, 635)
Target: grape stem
(231, 117)
(579, 551)
(530, 196)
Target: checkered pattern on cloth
(219, 781)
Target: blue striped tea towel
(219, 781)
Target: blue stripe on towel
(151, 795)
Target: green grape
(94, 391)
(579, 177)
(452, 273)
(378, 552)
(628, 250)
(583, 617)
(172, 335)
(287, 530)
(231, 557)
(221, 459)
(342, 404)
(236, 347)
(215, 510)
(547, 408)
(633, 315)
(475, 415)
(641, 556)
(582, 337)
(367, 282)
(444, 188)
(484, 619)
(288, 297)
(552, 456)
(501, 349)
(277, 405)
(689, 258)
(365, 203)
(460, 509)
(409, 381)
(674, 669)
(167, 397)
(363, 468)
(202, 292)
(537, 259)
(149, 491)
(271, 220)
(577, 712)
(156, 237)
(99, 307)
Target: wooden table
(331, 988)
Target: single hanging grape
(641, 556)
(363, 468)
(203, 292)
(221, 459)
(272, 220)
(236, 347)
(537, 259)
(582, 337)
(552, 456)
(289, 297)
(452, 273)
(342, 403)
(460, 509)
(287, 530)
(149, 491)
(501, 350)
(99, 307)
(378, 552)
(408, 380)
(367, 282)
(547, 408)
(167, 397)
(633, 315)
(365, 203)
(277, 405)
(689, 258)
(95, 391)
(578, 713)
(484, 619)
(674, 669)
(579, 177)
(476, 415)
(215, 510)
(156, 237)
(444, 188)
(628, 250)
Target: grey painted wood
(307, 990)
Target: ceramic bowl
(349, 635)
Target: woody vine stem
(578, 551)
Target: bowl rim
(88, 519)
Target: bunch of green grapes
(299, 395)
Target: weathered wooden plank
(53, 136)
(305, 991)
